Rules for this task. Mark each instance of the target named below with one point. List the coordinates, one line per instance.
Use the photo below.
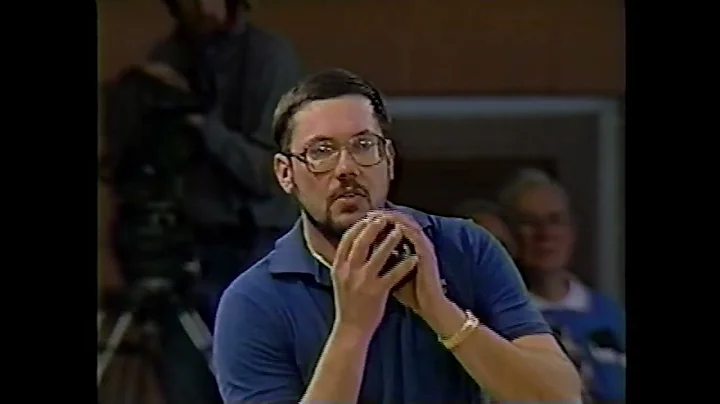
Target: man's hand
(360, 298)
(166, 74)
(424, 293)
(196, 120)
(531, 368)
(172, 78)
(360, 292)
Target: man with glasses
(321, 319)
(590, 325)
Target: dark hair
(324, 85)
(231, 6)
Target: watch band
(470, 325)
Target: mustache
(347, 189)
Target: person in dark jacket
(243, 71)
(239, 72)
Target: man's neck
(551, 287)
(239, 24)
(232, 28)
(317, 242)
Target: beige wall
(422, 46)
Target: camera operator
(241, 71)
(236, 72)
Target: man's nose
(546, 231)
(346, 164)
(542, 235)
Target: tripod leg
(202, 329)
(142, 381)
(134, 377)
(199, 334)
(113, 342)
(100, 320)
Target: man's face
(497, 227)
(202, 16)
(335, 199)
(545, 233)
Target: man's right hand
(360, 298)
(166, 74)
(360, 292)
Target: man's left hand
(196, 120)
(425, 292)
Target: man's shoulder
(267, 44)
(455, 230)
(461, 228)
(255, 283)
(266, 37)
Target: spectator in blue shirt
(319, 321)
(590, 326)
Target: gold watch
(470, 325)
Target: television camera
(153, 148)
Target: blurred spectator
(241, 71)
(589, 324)
(238, 72)
(489, 215)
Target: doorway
(438, 185)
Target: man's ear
(284, 173)
(390, 150)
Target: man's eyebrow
(316, 139)
(366, 132)
(322, 138)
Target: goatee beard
(332, 234)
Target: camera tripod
(141, 307)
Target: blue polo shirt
(592, 329)
(274, 319)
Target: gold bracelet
(470, 325)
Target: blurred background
(477, 90)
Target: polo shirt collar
(292, 256)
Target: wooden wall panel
(423, 46)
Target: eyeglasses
(366, 149)
(551, 220)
